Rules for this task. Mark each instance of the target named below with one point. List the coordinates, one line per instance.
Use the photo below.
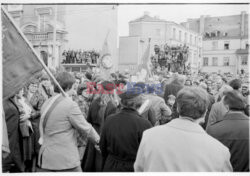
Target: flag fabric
(145, 64)
(5, 139)
(105, 46)
(20, 64)
(106, 60)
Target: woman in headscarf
(104, 105)
(122, 133)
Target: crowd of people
(173, 58)
(80, 57)
(169, 122)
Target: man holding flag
(58, 151)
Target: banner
(20, 64)
(144, 67)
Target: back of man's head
(192, 102)
(235, 84)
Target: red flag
(20, 64)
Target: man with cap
(122, 133)
(233, 131)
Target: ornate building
(37, 22)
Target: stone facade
(37, 23)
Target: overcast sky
(87, 25)
(176, 13)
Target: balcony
(40, 36)
(45, 36)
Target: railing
(40, 36)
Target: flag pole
(34, 52)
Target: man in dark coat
(173, 88)
(122, 133)
(233, 131)
(13, 163)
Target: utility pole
(54, 37)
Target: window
(247, 46)
(244, 60)
(29, 29)
(185, 39)
(191, 38)
(179, 35)
(226, 61)
(215, 61)
(214, 45)
(43, 20)
(174, 33)
(205, 61)
(226, 45)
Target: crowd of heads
(80, 57)
(197, 87)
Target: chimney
(242, 24)
(146, 13)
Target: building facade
(160, 32)
(225, 42)
(37, 22)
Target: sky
(176, 13)
(87, 25)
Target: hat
(131, 93)
(108, 85)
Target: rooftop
(147, 18)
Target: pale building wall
(219, 52)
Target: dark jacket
(120, 140)
(92, 161)
(210, 103)
(172, 89)
(233, 132)
(13, 163)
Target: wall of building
(162, 32)
(29, 21)
(236, 27)
(131, 51)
